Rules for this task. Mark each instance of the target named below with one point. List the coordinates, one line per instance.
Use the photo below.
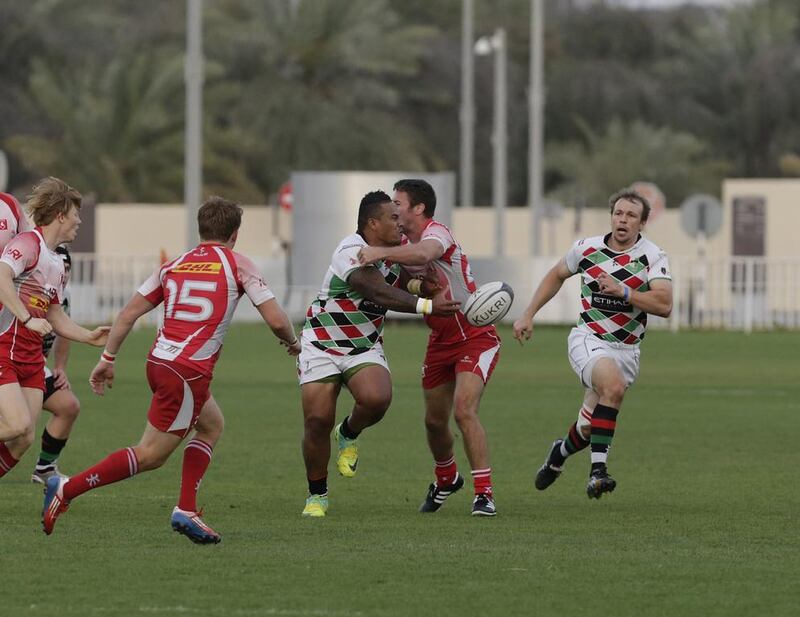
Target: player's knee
(71, 409)
(435, 423)
(376, 402)
(613, 391)
(20, 430)
(150, 458)
(319, 425)
(25, 439)
(464, 410)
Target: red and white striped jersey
(455, 276)
(12, 220)
(39, 280)
(200, 290)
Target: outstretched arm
(103, 373)
(416, 254)
(65, 327)
(369, 282)
(548, 287)
(275, 317)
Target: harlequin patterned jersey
(609, 317)
(341, 321)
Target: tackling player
(200, 291)
(460, 357)
(342, 344)
(624, 277)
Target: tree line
(93, 92)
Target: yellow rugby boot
(316, 506)
(347, 461)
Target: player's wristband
(108, 357)
(293, 343)
(626, 293)
(25, 321)
(424, 306)
(414, 286)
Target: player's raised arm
(369, 282)
(278, 321)
(548, 287)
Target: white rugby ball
(488, 304)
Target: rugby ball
(488, 304)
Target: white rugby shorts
(585, 349)
(314, 364)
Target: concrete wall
(135, 229)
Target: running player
(460, 357)
(31, 292)
(200, 291)
(59, 399)
(624, 277)
(342, 344)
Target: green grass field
(704, 520)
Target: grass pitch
(703, 522)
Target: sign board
(701, 214)
(749, 225)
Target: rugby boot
(549, 472)
(437, 495)
(483, 505)
(191, 525)
(54, 503)
(316, 506)
(600, 482)
(347, 461)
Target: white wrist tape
(424, 306)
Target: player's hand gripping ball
(488, 304)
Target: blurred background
(536, 111)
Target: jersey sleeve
(440, 234)
(151, 289)
(574, 255)
(250, 278)
(345, 261)
(659, 269)
(21, 253)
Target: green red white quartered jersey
(608, 317)
(341, 321)
(200, 291)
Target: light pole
(193, 144)
(536, 125)
(496, 44)
(467, 115)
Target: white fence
(743, 293)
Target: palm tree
(602, 163)
(315, 84)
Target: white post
(749, 294)
(193, 158)
(536, 125)
(467, 115)
(500, 141)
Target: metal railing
(735, 293)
